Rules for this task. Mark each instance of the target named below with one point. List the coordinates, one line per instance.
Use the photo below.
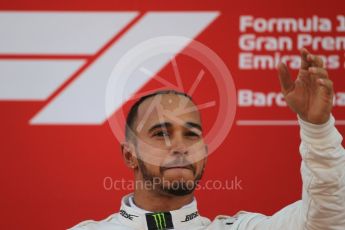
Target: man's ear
(206, 153)
(206, 149)
(129, 155)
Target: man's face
(169, 143)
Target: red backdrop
(52, 175)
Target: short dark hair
(133, 112)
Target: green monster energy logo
(159, 221)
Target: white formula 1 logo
(66, 58)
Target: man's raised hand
(311, 94)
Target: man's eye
(192, 134)
(161, 134)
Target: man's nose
(180, 150)
(178, 146)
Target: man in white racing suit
(167, 154)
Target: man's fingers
(326, 84)
(319, 72)
(286, 82)
(308, 60)
(315, 60)
(304, 75)
(305, 64)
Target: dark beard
(176, 188)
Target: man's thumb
(286, 82)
